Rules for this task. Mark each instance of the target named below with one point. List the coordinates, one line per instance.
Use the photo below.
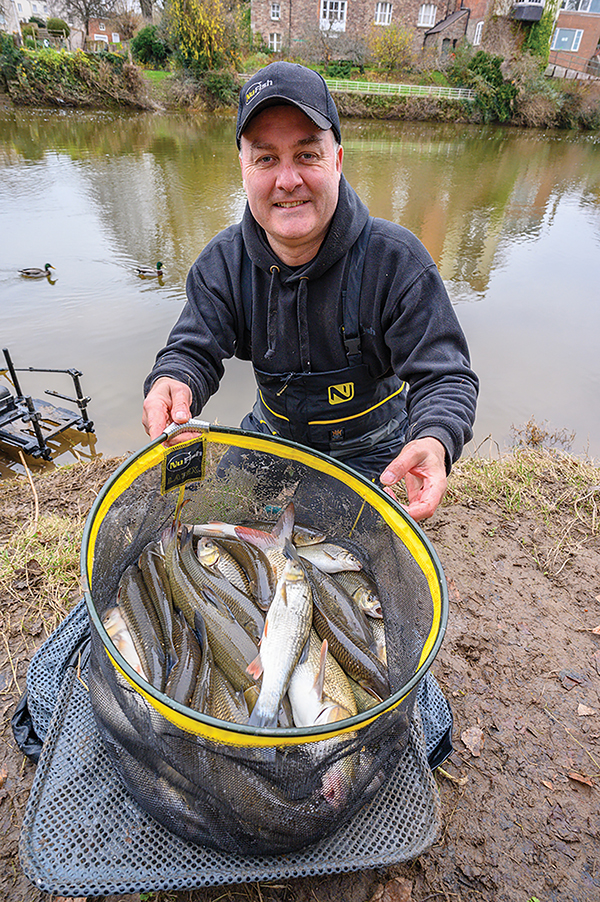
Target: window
(115, 38)
(34, 7)
(333, 15)
(20, 7)
(478, 31)
(427, 14)
(383, 14)
(101, 37)
(567, 39)
(581, 6)
(275, 10)
(101, 26)
(275, 42)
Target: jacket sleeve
(206, 332)
(429, 350)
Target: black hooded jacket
(408, 325)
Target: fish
(256, 567)
(143, 624)
(115, 626)
(225, 703)
(217, 559)
(152, 567)
(243, 608)
(205, 678)
(362, 589)
(330, 558)
(311, 704)
(356, 660)
(379, 636)
(233, 649)
(285, 635)
(272, 543)
(301, 535)
(182, 680)
(336, 604)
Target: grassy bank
(518, 94)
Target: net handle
(192, 425)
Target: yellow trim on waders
(342, 419)
(394, 519)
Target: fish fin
(200, 630)
(262, 719)
(289, 551)
(212, 598)
(320, 678)
(257, 537)
(255, 670)
(304, 653)
(284, 527)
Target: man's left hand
(422, 465)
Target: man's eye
(266, 159)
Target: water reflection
(511, 217)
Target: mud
(520, 664)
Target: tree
(392, 47)
(146, 8)
(201, 34)
(149, 47)
(85, 10)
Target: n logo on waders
(340, 393)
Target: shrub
(149, 47)
(495, 95)
(58, 26)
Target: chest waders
(343, 412)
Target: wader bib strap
(351, 291)
(342, 412)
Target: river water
(511, 217)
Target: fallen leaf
(584, 711)
(3, 776)
(548, 784)
(579, 778)
(596, 630)
(397, 890)
(473, 739)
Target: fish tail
(261, 718)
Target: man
(356, 348)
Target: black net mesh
(238, 797)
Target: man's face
(291, 171)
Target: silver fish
(330, 558)
(287, 626)
(115, 626)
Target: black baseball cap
(290, 83)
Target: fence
(564, 64)
(393, 90)
(389, 89)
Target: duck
(34, 272)
(147, 272)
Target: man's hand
(422, 465)
(168, 401)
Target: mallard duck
(147, 272)
(34, 272)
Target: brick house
(101, 31)
(289, 25)
(575, 46)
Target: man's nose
(288, 176)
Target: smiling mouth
(290, 203)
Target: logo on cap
(257, 88)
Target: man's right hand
(168, 401)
